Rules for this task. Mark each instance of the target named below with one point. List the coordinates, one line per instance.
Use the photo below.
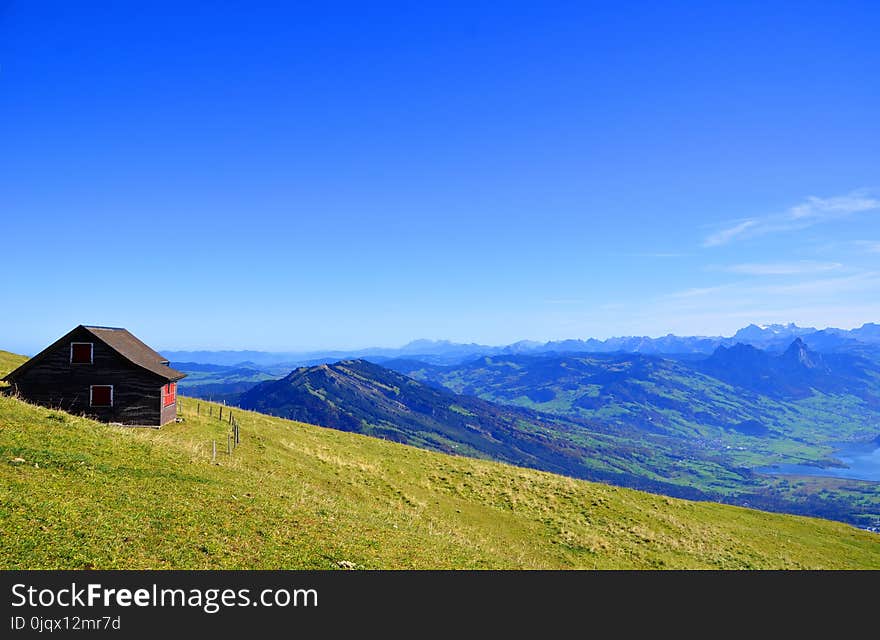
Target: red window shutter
(102, 396)
(81, 353)
(169, 394)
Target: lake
(862, 461)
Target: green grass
(8, 362)
(294, 496)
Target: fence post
(229, 444)
(214, 451)
(221, 412)
(198, 408)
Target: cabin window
(101, 395)
(82, 353)
(169, 394)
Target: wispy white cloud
(747, 294)
(828, 208)
(698, 292)
(656, 254)
(871, 246)
(726, 235)
(866, 281)
(812, 211)
(803, 267)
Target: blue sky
(337, 175)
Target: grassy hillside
(8, 362)
(79, 494)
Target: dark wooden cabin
(105, 373)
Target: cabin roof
(133, 349)
(122, 342)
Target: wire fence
(233, 436)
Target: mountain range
(773, 337)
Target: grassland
(8, 362)
(79, 494)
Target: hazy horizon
(498, 344)
(232, 347)
(301, 350)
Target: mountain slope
(355, 395)
(79, 494)
(360, 396)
